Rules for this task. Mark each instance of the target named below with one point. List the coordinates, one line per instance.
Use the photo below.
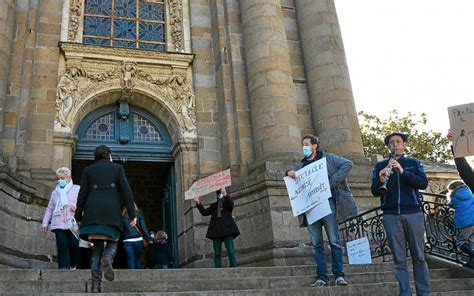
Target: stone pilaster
(272, 95)
(7, 25)
(333, 110)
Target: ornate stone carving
(176, 23)
(67, 86)
(75, 11)
(165, 82)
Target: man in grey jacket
(342, 205)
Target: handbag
(145, 242)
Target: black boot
(96, 275)
(467, 249)
(95, 266)
(108, 259)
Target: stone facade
(238, 85)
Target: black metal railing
(440, 234)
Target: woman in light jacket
(58, 216)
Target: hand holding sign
(209, 184)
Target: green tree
(424, 145)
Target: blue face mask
(62, 183)
(307, 151)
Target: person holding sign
(342, 205)
(397, 181)
(222, 227)
(464, 169)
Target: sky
(409, 55)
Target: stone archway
(159, 82)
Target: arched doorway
(141, 143)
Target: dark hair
(102, 152)
(312, 138)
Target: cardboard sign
(319, 211)
(310, 189)
(358, 251)
(209, 184)
(461, 120)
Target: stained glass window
(125, 23)
(144, 130)
(102, 128)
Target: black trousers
(68, 248)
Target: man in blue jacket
(397, 181)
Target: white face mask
(307, 151)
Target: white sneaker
(319, 283)
(340, 281)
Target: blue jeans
(134, 254)
(316, 235)
(400, 230)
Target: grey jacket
(338, 169)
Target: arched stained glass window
(144, 130)
(102, 128)
(125, 23)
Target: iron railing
(440, 233)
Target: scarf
(63, 200)
(220, 203)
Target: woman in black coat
(98, 210)
(222, 227)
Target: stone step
(183, 273)
(438, 287)
(179, 284)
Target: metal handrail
(440, 232)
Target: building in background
(179, 89)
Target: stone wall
(22, 205)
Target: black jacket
(132, 232)
(159, 254)
(465, 172)
(220, 227)
(103, 188)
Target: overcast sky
(409, 55)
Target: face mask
(307, 151)
(62, 183)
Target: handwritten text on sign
(358, 251)
(209, 184)
(310, 187)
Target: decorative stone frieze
(175, 9)
(93, 70)
(75, 18)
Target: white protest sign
(358, 251)
(209, 184)
(310, 188)
(461, 121)
(319, 211)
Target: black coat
(158, 255)
(220, 227)
(104, 188)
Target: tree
(424, 145)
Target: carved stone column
(7, 24)
(275, 125)
(332, 103)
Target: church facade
(179, 89)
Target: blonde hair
(161, 234)
(64, 170)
